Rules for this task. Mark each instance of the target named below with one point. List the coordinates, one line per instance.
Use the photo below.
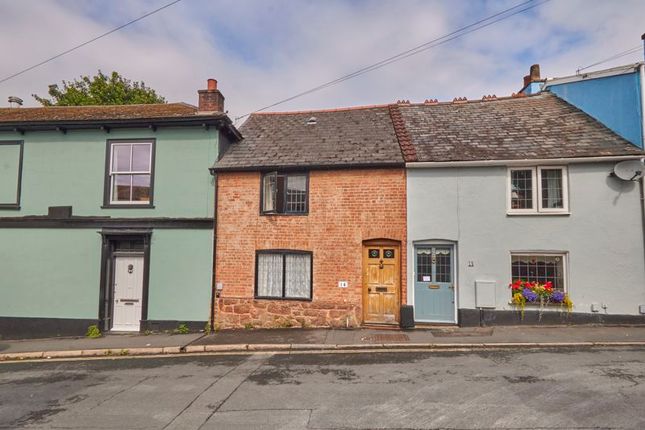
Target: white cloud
(262, 51)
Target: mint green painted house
(106, 216)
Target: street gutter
(191, 350)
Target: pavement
(298, 339)
(561, 388)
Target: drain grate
(462, 332)
(385, 338)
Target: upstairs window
(130, 173)
(535, 190)
(285, 193)
(10, 174)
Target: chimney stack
(211, 99)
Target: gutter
(523, 162)
(301, 167)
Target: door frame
(106, 287)
(382, 242)
(455, 274)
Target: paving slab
(112, 341)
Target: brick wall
(346, 207)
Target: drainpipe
(642, 79)
(214, 297)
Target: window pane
(268, 193)
(9, 173)
(121, 158)
(552, 188)
(141, 157)
(140, 188)
(424, 265)
(539, 268)
(296, 194)
(121, 187)
(297, 276)
(443, 265)
(269, 275)
(522, 189)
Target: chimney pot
(643, 36)
(535, 72)
(212, 84)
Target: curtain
(297, 276)
(270, 275)
(552, 188)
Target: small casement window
(542, 189)
(10, 174)
(283, 275)
(285, 193)
(130, 173)
(540, 268)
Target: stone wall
(235, 313)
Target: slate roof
(352, 137)
(533, 127)
(96, 113)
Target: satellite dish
(630, 170)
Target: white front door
(128, 292)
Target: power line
(89, 41)
(477, 25)
(613, 57)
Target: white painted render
(602, 235)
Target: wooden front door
(381, 283)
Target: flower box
(526, 293)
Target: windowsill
(291, 299)
(128, 206)
(283, 214)
(537, 305)
(538, 213)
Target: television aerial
(630, 170)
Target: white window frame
(536, 191)
(113, 174)
(564, 255)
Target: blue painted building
(613, 96)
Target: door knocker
(380, 264)
(130, 268)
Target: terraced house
(320, 222)
(106, 215)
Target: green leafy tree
(101, 89)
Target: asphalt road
(569, 389)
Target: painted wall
(49, 273)
(55, 273)
(615, 101)
(346, 207)
(68, 170)
(180, 275)
(603, 233)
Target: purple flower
(529, 295)
(557, 296)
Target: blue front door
(434, 288)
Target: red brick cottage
(311, 221)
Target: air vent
(312, 121)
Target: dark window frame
(282, 211)
(15, 205)
(284, 253)
(107, 202)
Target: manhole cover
(385, 338)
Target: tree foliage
(101, 89)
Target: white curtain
(270, 275)
(298, 276)
(552, 187)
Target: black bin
(407, 316)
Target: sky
(262, 51)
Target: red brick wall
(346, 207)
